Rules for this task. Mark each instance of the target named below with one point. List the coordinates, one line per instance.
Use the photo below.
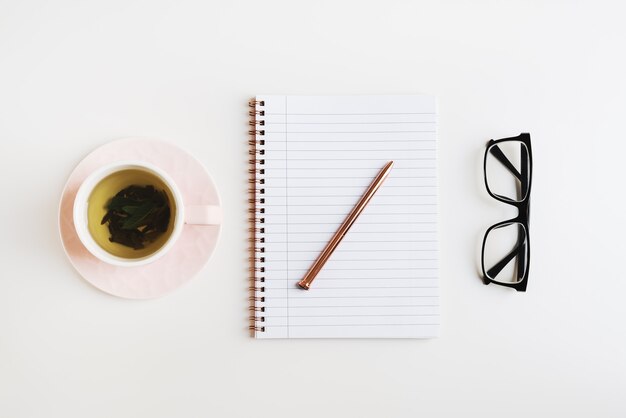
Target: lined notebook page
(321, 154)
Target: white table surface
(74, 75)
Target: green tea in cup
(128, 213)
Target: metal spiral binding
(256, 219)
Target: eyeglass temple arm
(497, 152)
(519, 250)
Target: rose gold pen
(305, 283)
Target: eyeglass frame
(523, 207)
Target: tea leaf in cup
(137, 215)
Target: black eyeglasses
(508, 169)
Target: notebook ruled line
(344, 316)
(356, 269)
(350, 177)
(347, 187)
(353, 325)
(367, 278)
(370, 205)
(309, 260)
(309, 169)
(351, 232)
(351, 114)
(348, 159)
(340, 251)
(346, 123)
(372, 241)
(351, 132)
(359, 306)
(351, 195)
(360, 223)
(355, 297)
(365, 141)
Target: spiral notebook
(312, 159)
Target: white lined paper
(320, 154)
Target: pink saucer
(194, 246)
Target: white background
(76, 74)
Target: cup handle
(203, 215)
